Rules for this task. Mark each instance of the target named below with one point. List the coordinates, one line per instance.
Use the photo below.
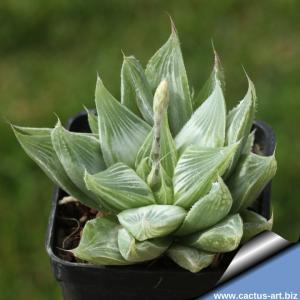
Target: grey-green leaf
(93, 122)
(135, 251)
(119, 188)
(167, 63)
(136, 92)
(152, 221)
(223, 237)
(143, 169)
(37, 144)
(206, 127)
(251, 175)
(240, 119)
(99, 243)
(121, 132)
(196, 170)
(144, 152)
(239, 123)
(164, 194)
(78, 152)
(216, 77)
(190, 258)
(247, 148)
(254, 224)
(208, 210)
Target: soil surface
(70, 220)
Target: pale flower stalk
(160, 105)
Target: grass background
(50, 52)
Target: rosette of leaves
(174, 173)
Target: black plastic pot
(81, 281)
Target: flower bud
(161, 98)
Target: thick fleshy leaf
(252, 174)
(190, 258)
(78, 152)
(206, 127)
(209, 210)
(254, 224)
(223, 237)
(136, 92)
(196, 170)
(135, 251)
(99, 242)
(93, 122)
(144, 168)
(119, 188)
(121, 132)
(144, 151)
(167, 63)
(239, 122)
(152, 221)
(240, 119)
(168, 152)
(216, 77)
(37, 143)
(247, 148)
(164, 194)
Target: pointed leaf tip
(173, 26)
(93, 121)
(123, 53)
(167, 63)
(215, 79)
(217, 62)
(99, 80)
(239, 122)
(58, 122)
(136, 93)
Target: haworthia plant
(173, 175)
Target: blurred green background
(50, 52)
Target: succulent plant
(173, 173)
